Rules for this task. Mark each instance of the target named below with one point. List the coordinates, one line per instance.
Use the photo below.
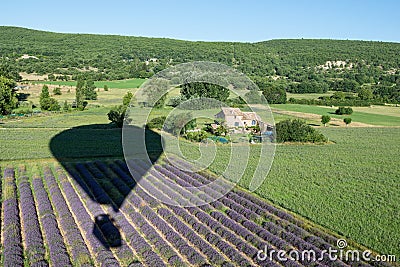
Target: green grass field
(308, 96)
(351, 187)
(118, 84)
(359, 115)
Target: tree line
(297, 66)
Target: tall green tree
(275, 94)
(347, 121)
(9, 71)
(44, 98)
(8, 100)
(325, 119)
(126, 100)
(90, 90)
(47, 102)
(79, 94)
(202, 89)
(365, 94)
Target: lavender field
(94, 214)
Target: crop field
(94, 214)
(309, 95)
(364, 115)
(118, 84)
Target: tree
(10, 72)
(155, 92)
(253, 97)
(161, 101)
(66, 106)
(347, 121)
(46, 102)
(297, 130)
(325, 119)
(127, 98)
(50, 104)
(105, 87)
(275, 95)
(44, 98)
(8, 100)
(197, 136)
(45, 93)
(338, 95)
(175, 101)
(179, 123)
(206, 90)
(79, 94)
(117, 115)
(365, 94)
(57, 91)
(156, 123)
(221, 130)
(90, 90)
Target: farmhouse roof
(237, 112)
(232, 111)
(251, 116)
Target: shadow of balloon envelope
(81, 149)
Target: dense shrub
(156, 123)
(344, 111)
(196, 136)
(175, 101)
(117, 115)
(297, 130)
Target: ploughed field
(94, 214)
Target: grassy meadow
(117, 84)
(376, 115)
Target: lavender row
(246, 234)
(11, 227)
(100, 253)
(173, 237)
(240, 205)
(167, 231)
(141, 246)
(253, 213)
(147, 229)
(103, 228)
(137, 242)
(55, 242)
(79, 251)
(229, 251)
(190, 235)
(121, 170)
(33, 239)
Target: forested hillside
(300, 66)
